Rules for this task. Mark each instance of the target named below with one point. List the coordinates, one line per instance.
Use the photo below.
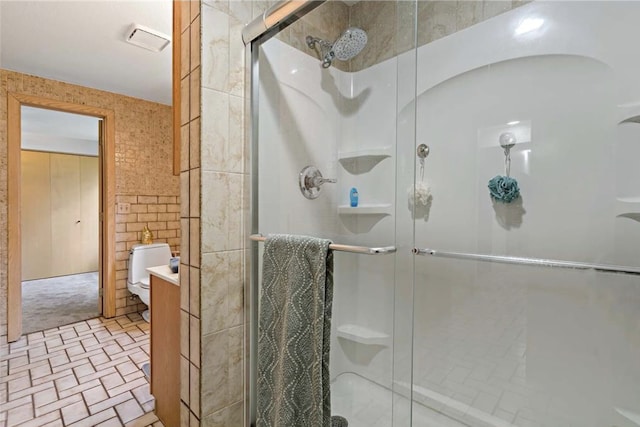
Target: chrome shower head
(348, 45)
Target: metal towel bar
(603, 268)
(343, 248)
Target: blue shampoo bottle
(353, 196)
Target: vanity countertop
(164, 273)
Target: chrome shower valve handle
(310, 181)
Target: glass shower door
(527, 286)
(325, 98)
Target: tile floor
(82, 374)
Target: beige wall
(389, 25)
(143, 162)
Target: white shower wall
(522, 345)
(309, 116)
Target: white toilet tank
(142, 257)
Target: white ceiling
(82, 42)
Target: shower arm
(312, 41)
(326, 49)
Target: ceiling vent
(147, 38)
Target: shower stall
(487, 271)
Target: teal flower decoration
(504, 189)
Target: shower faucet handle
(310, 181)
(318, 181)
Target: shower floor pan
(366, 404)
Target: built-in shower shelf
(373, 209)
(627, 205)
(362, 335)
(378, 154)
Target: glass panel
(507, 344)
(341, 119)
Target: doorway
(60, 218)
(106, 205)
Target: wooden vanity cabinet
(165, 350)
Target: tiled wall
(190, 75)
(162, 215)
(326, 22)
(143, 153)
(389, 25)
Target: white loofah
(419, 194)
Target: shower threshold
(365, 403)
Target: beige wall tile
(236, 363)
(185, 287)
(194, 242)
(195, 93)
(184, 333)
(378, 19)
(215, 48)
(195, 10)
(195, 43)
(214, 292)
(235, 289)
(468, 13)
(185, 15)
(184, 100)
(184, 379)
(495, 7)
(236, 135)
(215, 372)
(194, 143)
(184, 241)
(194, 388)
(240, 15)
(185, 53)
(184, 191)
(185, 414)
(216, 153)
(230, 416)
(194, 302)
(194, 421)
(194, 193)
(194, 341)
(222, 224)
(184, 148)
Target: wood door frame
(107, 193)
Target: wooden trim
(14, 273)
(109, 221)
(177, 69)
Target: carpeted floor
(49, 303)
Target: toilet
(142, 257)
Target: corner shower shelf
(627, 205)
(362, 335)
(372, 209)
(378, 154)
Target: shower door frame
(256, 33)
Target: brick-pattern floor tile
(83, 374)
(19, 415)
(129, 411)
(96, 419)
(75, 412)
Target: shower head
(348, 45)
